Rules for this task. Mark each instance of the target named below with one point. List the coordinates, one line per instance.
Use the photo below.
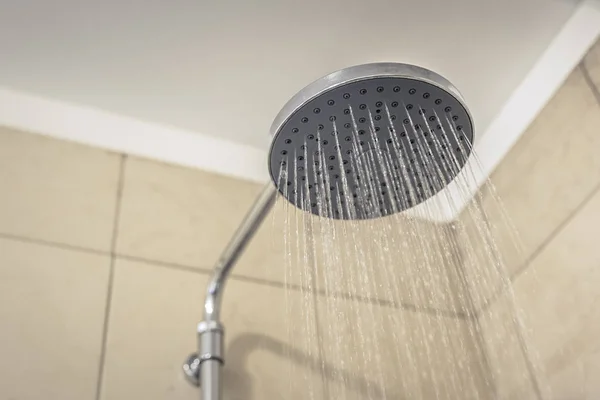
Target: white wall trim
(127, 135)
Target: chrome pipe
(210, 376)
(205, 368)
(249, 226)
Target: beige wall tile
(544, 178)
(558, 295)
(52, 304)
(152, 329)
(592, 63)
(57, 191)
(373, 351)
(177, 214)
(569, 383)
(187, 216)
(591, 372)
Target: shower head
(364, 142)
(369, 141)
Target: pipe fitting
(210, 341)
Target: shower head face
(369, 141)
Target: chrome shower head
(369, 141)
(360, 143)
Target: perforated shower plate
(408, 124)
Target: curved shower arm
(204, 367)
(236, 246)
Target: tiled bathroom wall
(549, 186)
(104, 260)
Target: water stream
(393, 304)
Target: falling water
(403, 304)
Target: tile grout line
(167, 264)
(590, 82)
(299, 288)
(113, 256)
(49, 243)
(241, 278)
(539, 249)
(514, 276)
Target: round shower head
(369, 141)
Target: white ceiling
(197, 84)
(225, 68)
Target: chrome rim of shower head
(369, 141)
